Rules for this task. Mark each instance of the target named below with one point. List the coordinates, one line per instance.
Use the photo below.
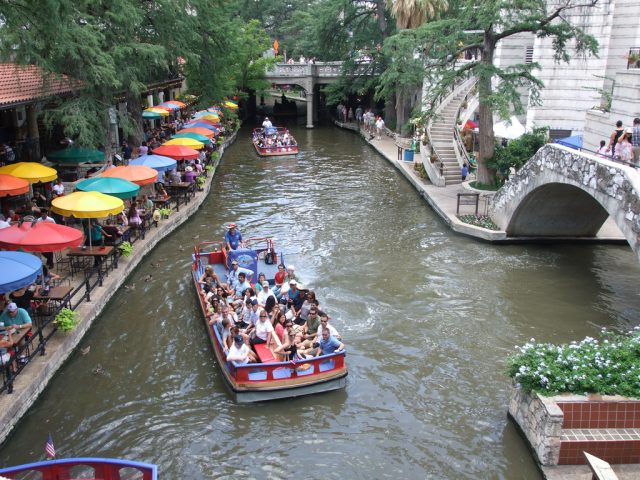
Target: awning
(574, 141)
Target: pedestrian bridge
(308, 76)
(560, 192)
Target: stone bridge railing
(318, 70)
(560, 192)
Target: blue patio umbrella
(172, 106)
(202, 125)
(17, 270)
(116, 187)
(157, 162)
(574, 142)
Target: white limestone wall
(567, 96)
(625, 106)
(512, 51)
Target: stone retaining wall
(540, 420)
(36, 376)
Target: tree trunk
(485, 111)
(134, 107)
(399, 111)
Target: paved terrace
(35, 376)
(444, 200)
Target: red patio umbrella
(10, 185)
(40, 237)
(177, 152)
(470, 125)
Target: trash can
(408, 155)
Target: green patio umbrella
(75, 155)
(151, 115)
(116, 187)
(193, 136)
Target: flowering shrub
(610, 366)
(483, 221)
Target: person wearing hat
(267, 123)
(293, 297)
(265, 293)
(15, 317)
(624, 150)
(236, 270)
(240, 352)
(190, 175)
(232, 237)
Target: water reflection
(428, 317)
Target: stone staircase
(442, 139)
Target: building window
(528, 55)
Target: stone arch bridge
(560, 192)
(308, 76)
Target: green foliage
(165, 212)
(420, 170)
(609, 367)
(125, 249)
(493, 187)
(67, 320)
(210, 168)
(200, 181)
(518, 151)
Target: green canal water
(428, 317)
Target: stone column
(160, 97)
(310, 109)
(150, 99)
(34, 133)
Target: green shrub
(165, 212)
(125, 249)
(66, 320)
(517, 152)
(200, 181)
(210, 168)
(609, 367)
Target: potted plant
(210, 168)
(125, 249)
(165, 212)
(433, 158)
(66, 320)
(633, 59)
(200, 181)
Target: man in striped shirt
(635, 139)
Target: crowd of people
(370, 122)
(279, 312)
(624, 143)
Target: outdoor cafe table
(161, 202)
(97, 252)
(57, 296)
(17, 338)
(181, 190)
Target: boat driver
(232, 237)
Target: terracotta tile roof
(23, 83)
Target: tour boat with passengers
(271, 378)
(274, 142)
(82, 468)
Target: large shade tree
(479, 26)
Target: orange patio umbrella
(10, 185)
(199, 130)
(138, 174)
(177, 152)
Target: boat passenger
(261, 279)
(264, 332)
(239, 351)
(244, 317)
(324, 323)
(328, 344)
(310, 328)
(278, 320)
(226, 335)
(232, 275)
(265, 294)
(279, 280)
(241, 286)
(209, 273)
(294, 297)
(309, 301)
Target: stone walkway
(37, 374)
(443, 200)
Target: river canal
(428, 317)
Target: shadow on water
(428, 317)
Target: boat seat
(265, 355)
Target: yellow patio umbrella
(186, 142)
(209, 116)
(30, 171)
(159, 111)
(230, 104)
(87, 205)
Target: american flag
(49, 449)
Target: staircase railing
(435, 169)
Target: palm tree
(413, 13)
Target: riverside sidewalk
(39, 372)
(444, 200)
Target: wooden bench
(265, 355)
(467, 199)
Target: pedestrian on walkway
(635, 140)
(615, 136)
(379, 127)
(465, 171)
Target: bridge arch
(560, 192)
